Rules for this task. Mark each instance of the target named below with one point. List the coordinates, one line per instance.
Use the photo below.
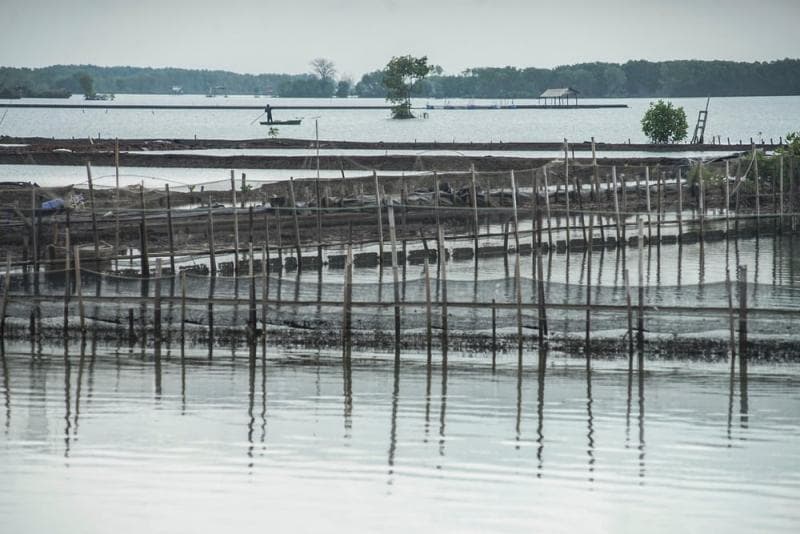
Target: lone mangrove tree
(664, 123)
(400, 77)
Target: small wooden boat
(291, 122)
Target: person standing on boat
(268, 111)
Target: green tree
(664, 123)
(344, 87)
(400, 77)
(87, 85)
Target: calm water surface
(734, 117)
(93, 441)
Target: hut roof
(559, 93)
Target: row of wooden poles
(254, 333)
(619, 203)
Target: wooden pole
(640, 318)
(396, 281)
(34, 232)
(731, 323)
(379, 207)
(266, 234)
(144, 261)
(296, 223)
(743, 321)
(252, 319)
(116, 197)
(94, 214)
(517, 277)
(647, 202)
(319, 200)
(67, 278)
(758, 193)
(616, 205)
(211, 252)
(235, 224)
(596, 189)
(589, 293)
(171, 231)
(183, 307)
(443, 271)
(5, 297)
(428, 311)
(727, 198)
(347, 302)
(157, 305)
(79, 289)
(264, 290)
(626, 277)
(547, 210)
(566, 186)
(659, 204)
(702, 199)
(476, 224)
(494, 335)
(780, 177)
(680, 205)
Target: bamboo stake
(640, 318)
(266, 234)
(626, 278)
(296, 223)
(183, 307)
(743, 321)
(589, 294)
(596, 189)
(235, 224)
(780, 174)
(680, 205)
(616, 205)
(144, 261)
(566, 186)
(727, 198)
(476, 225)
(443, 271)
(659, 204)
(157, 306)
(6, 297)
(702, 200)
(758, 193)
(116, 196)
(171, 231)
(647, 203)
(379, 207)
(428, 311)
(264, 290)
(66, 282)
(396, 281)
(547, 210)
(517, 268)
(79, 289)
(252, 310)
(211, 252)
(347, 303)
(731, 323)
(494, 335)
(34, 233)
(94, 214)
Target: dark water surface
(96, 440)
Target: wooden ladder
(700, 127)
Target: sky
(256, 36)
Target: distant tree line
(597, 80)
(631, 79)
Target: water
(93, 442)
(734, 117)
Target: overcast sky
(361, 35)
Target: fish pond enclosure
(664, 257)
(486, 341)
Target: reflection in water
(6, 384)
(540, 424)
(308, 452)
(393, 424)
(589, 423)
(641, 426)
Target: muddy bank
(43, 144)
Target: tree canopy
(400, 77)
(665, 79)
(664, 123)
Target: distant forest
(592, 80)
